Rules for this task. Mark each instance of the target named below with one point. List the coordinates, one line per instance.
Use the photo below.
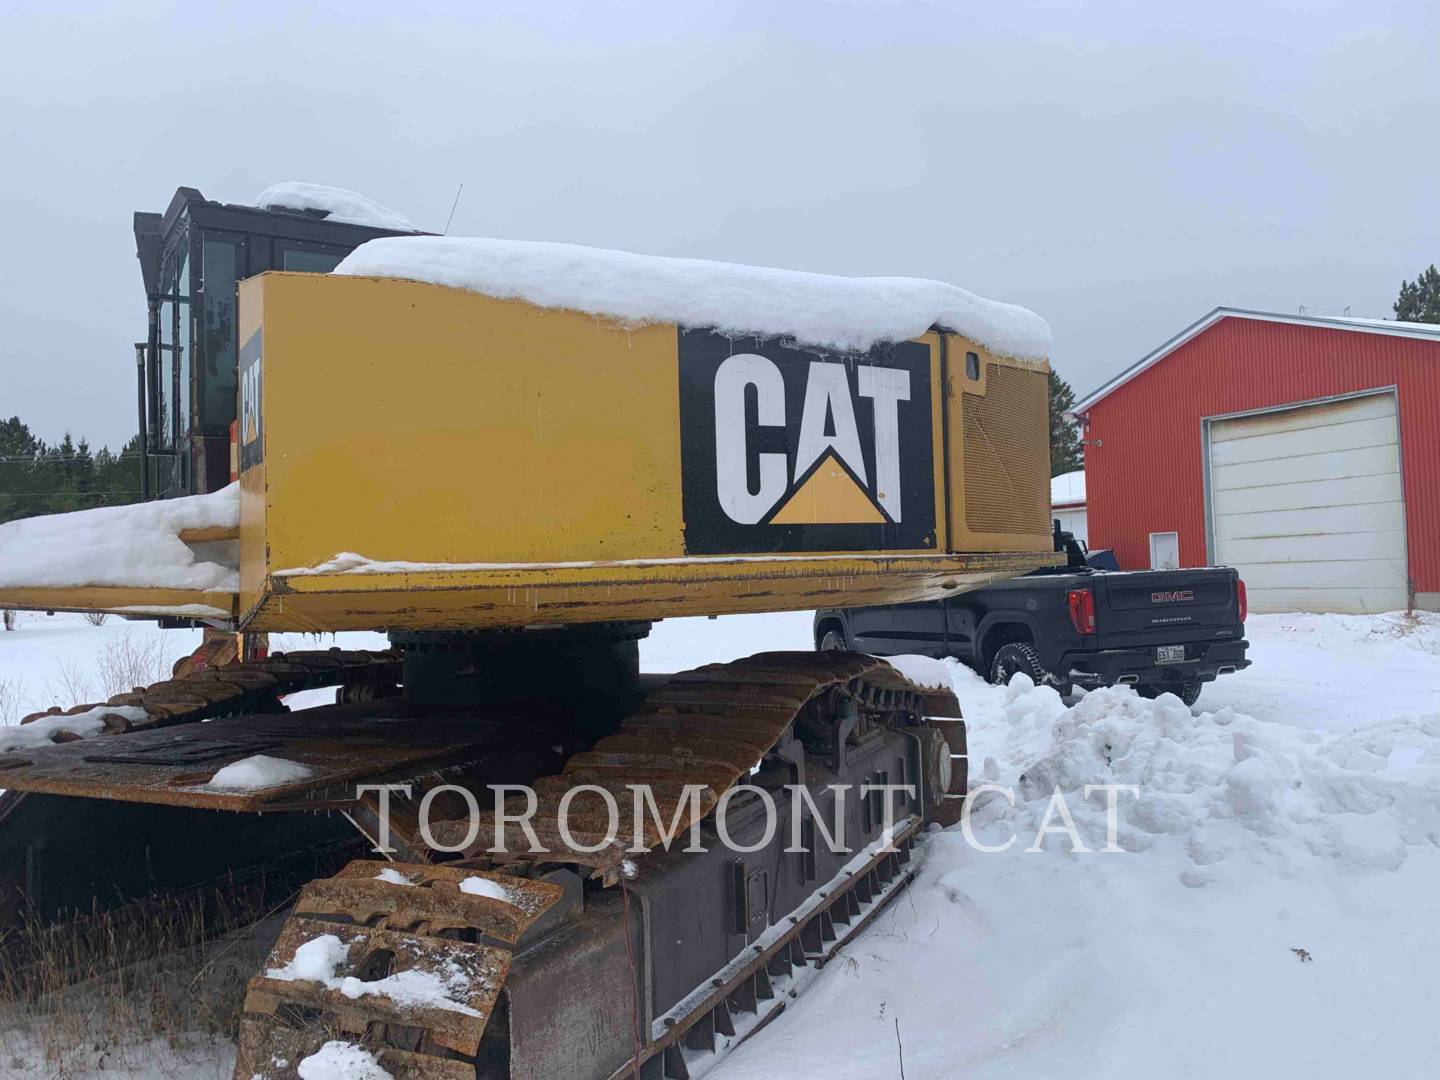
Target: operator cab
(191, 259)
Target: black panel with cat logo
(786, 449)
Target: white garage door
(1074, 521)
(1307, 504)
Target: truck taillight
(1082, 610)
(1241, 599)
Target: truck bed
(1155, 629)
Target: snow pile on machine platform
(820, 310)
(136, 546)
(257, 772)
(349, 207)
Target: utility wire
(80, 494)
(43, 459)
(452, 210)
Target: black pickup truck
(1156, 630)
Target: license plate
(1169, 654)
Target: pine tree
(1420, 299)
(19, 450)
(1066, 454)
(117, 475)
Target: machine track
(244, 687)
(455, 927)
(39, 831)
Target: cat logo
(252, 429)
(788, 450)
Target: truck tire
(833, 641)
(1188, 691)
(1016, 656)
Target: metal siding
(1148, 476)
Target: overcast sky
(1121, 168)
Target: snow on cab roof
(819, 310)
(136, 546)
(349, 207)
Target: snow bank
(922, 670)
(1239, 792)
(1276, 883)
(45, 731)
(338, 1060)
(350, 207)
(1067, 488)
(820, 310)
(136, 546)
(256, 773)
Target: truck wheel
(1016, 656)
(1188, 692)
(833, 641)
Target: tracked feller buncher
(514, 493)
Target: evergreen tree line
(39, 478)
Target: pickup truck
(1076, 625)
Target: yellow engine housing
(498, 464)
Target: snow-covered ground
(1296, 807)
(1272, 912)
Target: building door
(1307, 504)
(1164, 551)
(1074, 520)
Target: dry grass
(1417, 629)
(151, 990)
(96, 618)
(11, 695)
(128, 991)
(126, 661)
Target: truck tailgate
(1169, 601)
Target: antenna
(452, 210)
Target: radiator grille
(1007, 452)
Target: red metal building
(1303, 450)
